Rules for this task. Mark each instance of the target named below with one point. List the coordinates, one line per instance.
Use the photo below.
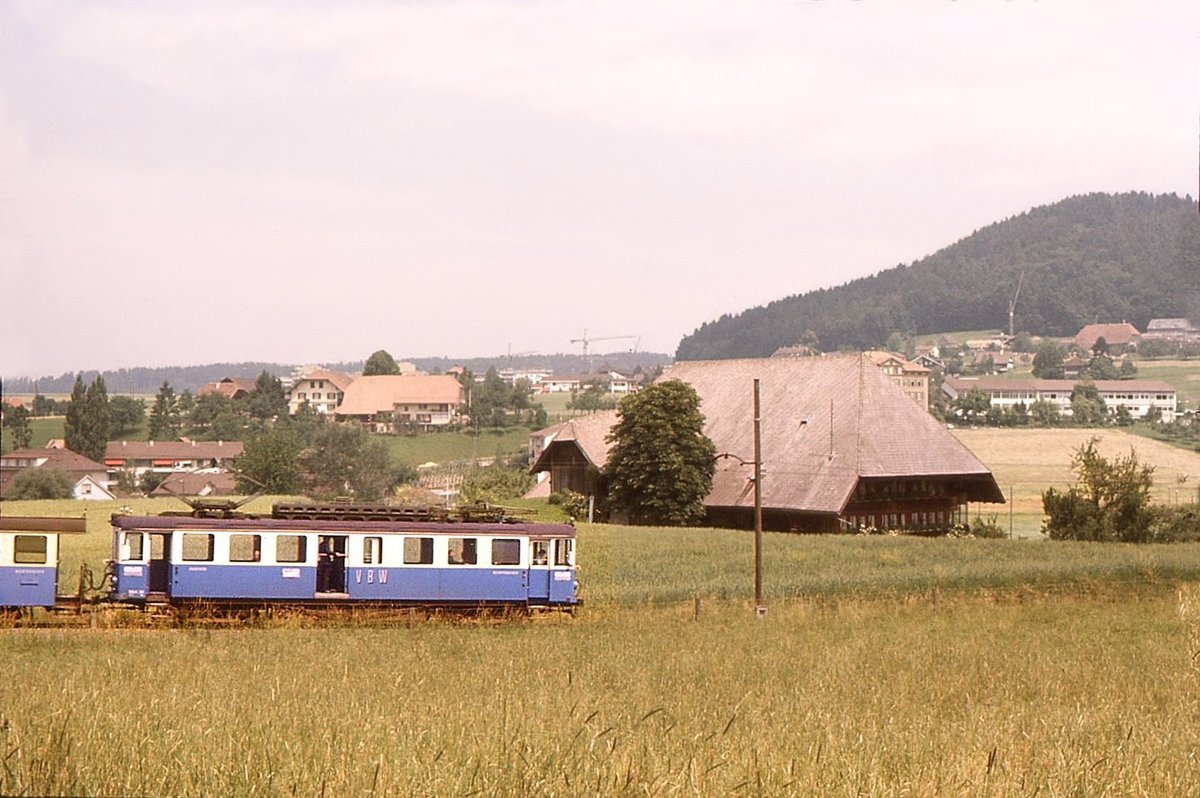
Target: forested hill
(1097, 257)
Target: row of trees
(1088, 409)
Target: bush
(1110, 500)
(495, 484)
(1179, 524)
(41, 483)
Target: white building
(1136, 396)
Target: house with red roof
(89, 479)
(320, 389)
(387, 402)
(1119, 337)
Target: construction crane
(586, 341)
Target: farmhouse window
(463, 551)
(245, 548)
(197, 547)
(372, 550)
(506, 551)
(291, 548)
(418, 551)
(29, 549)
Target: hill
(1096, 257)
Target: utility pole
(760, 609)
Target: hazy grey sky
(186, 183)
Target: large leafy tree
(380, 363)
(660, 467)
(344, 460)
(126, 413)
(18, 434)
(270, 461)
(1088, 408)
(40, 483)
(1048, 362)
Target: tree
(126, 414)
(1109, 501)
(97, 420)
(972, 404)
(1045, 414)
(661, 463)
(1088, 408)
(345, 460)
(270, 462)
(73, 434)
(1101, 367)
(1048, 362)
(1100, 347)
(17, 430)
(268, 399)
(87, 424)
(40, 483)
(380, 363)
(164, 416)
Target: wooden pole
(759, 609)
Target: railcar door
(539, 571)
(160, 562)
(331, 564)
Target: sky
(190, 183)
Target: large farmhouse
(842, 447)
(386, 402)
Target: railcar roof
(172, 522)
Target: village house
(229, 387)
(1136, 396)
(1179, 331)
(1119, 337)
(191, 483)
(559, 385)
(320, 389)
(89, 479)
(137, 458)
(912, 378)
(385, 403)
(843, 447)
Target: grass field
(885, 666)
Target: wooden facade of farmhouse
(843, 447)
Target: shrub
(1110, 500)
(1179, 524)
(495, 484)
(41, 483)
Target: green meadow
(883, 666)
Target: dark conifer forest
(1096, 257)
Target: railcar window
(418, 551)
(506, 551)
(197, 547)
(372, 551)
(158, 546)
(291, 548)
(134, 541)
(29, 549)
(540, 552)
(562, 551)
(463, 551)
(245, 548)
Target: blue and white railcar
(29, 559)
(181, 559)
